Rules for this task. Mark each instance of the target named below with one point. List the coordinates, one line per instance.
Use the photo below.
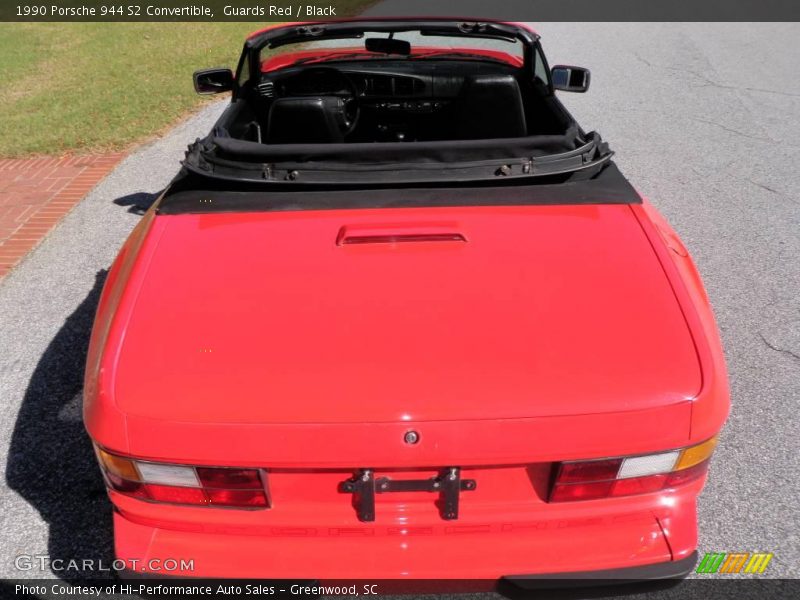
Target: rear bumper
(671, 570)
(674, 569)
(644, 537)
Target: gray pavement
(705, 120)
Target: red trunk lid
(403, 315)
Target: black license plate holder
(448, 484)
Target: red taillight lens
(229, 478)
(183, 484)
(639, 485)
(591, 470)
(581, 491)
(175, 495)
(125, 486)
(687, 475)
(254, 498)
(626, 476)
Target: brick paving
(36, 193)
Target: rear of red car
(430, 392)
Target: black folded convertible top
(441, 162)
(194, 193)
(414, 153)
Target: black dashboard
(379, 80)
(393, 100)
(366, 84)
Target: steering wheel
(349, 105)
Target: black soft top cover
(193, 193)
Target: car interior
(392, 112)
(386, 100)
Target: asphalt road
(705, 120)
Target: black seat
(490, 106)
(304, 120)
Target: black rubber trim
(453, 161)
(607, 187)
(674, 569)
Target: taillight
(629, 475)
(183, 484)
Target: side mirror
(213, 81)
(570, 79)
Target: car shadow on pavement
(51, 462)
(138, 202)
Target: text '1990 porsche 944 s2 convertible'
(398, 315)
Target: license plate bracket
(448, 484)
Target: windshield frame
(355, 28)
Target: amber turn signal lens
(117, 465)
(696, 454)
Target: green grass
(101, 86)
(87, 87)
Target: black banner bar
(711, 588)
(305, 10)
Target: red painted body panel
(273, 322)
(521, 25)
(320, 539)
(285, 59)
(352, 445)
(507, 518)
(547, 333)
(710, 408)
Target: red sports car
(399, 316)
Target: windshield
(420, 46)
